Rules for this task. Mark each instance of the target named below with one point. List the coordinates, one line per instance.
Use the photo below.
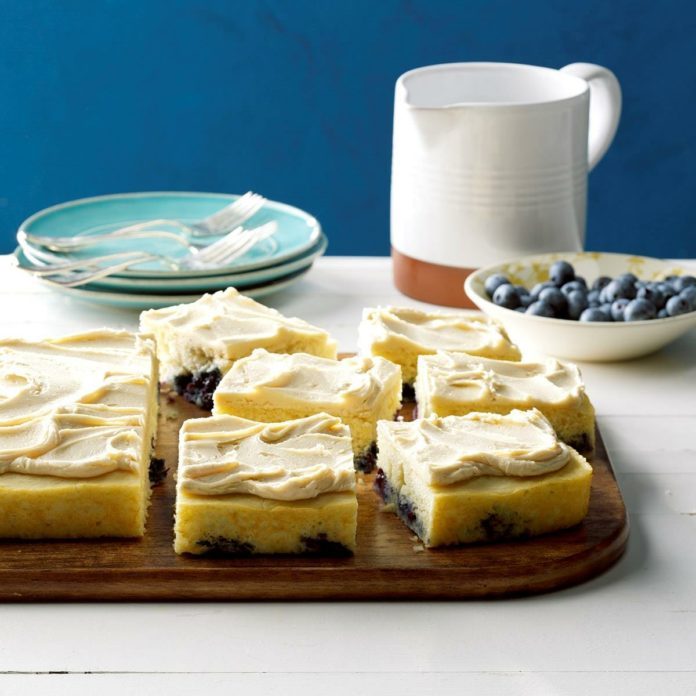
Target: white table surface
(630, 631)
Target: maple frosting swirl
(222, 327)
(75, 407)
(461, 378)
(453, 449)
(287, 380)
(294, 460)
(430, 331)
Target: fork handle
(85, 264)
(102, 272)
(63, 244)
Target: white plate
(591, 341)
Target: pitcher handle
(605, 107)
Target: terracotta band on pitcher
(431, 282)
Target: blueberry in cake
(245, 487)
(481, 477)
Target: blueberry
(556, 299)
(506, 296)
(521, 308)
(538, 288)
(662, 314)
(639, 310)
(521, 290)
(616, 289)
(593, 298)
(581, 280)
(627, 279)
(523, 294)
(677, 305)
(541, 309)
(651, 293)
(683, 282)
(560, 273)
(493, 282)
(601, 282)
(689, 294)
(573, 285)
(618, 307)
(666, 290)
(594, 314)
(577, 303)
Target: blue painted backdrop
(293, 98)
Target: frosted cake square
(401, 334)
(273, 387)
(198, 342)
(454, 384)
(481, 477)
(246, 487)
(78, 419)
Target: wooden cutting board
(389, 563)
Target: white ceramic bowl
(591, 341)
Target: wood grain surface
(389, 563)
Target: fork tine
(217, 252)
(235, 214)
(230, 211)
(223, 247)
(209, 252)
(236, 217)
(248, 241)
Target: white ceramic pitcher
(490, 162)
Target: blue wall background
(293, 98)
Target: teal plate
(171, 286)
(297, 231)
(153, 301)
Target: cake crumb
(389, 507)
(418, 548)
(169, 414)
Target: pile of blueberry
(624, 298)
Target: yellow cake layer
(44, 507)
(267, 526)
(39, 505)
(493, 508)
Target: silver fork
(219, 253)
(223, 221)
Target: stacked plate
(271, 265)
